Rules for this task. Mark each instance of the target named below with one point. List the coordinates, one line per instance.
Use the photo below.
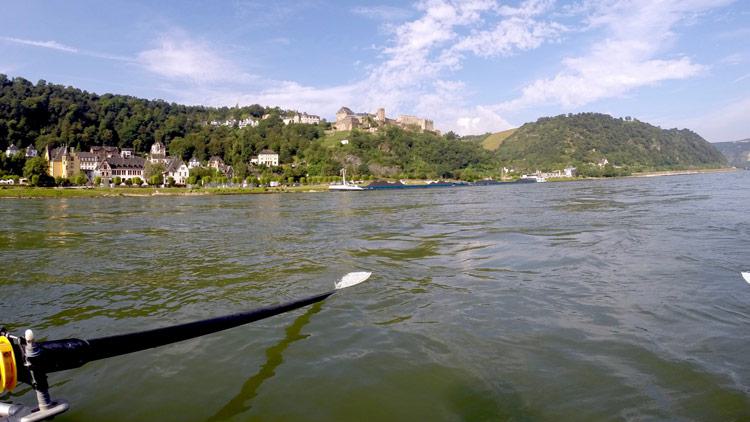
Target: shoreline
(682, 172)
(28, 192)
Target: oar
(37, 359)
(59, 355)
(746, 276)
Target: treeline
(581, 139)
(45, 114)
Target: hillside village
(113, 165)
(108, 164)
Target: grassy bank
(35, 192)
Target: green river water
(594, 300)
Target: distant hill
(737, 152)
(589, 138)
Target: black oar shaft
(59, 355)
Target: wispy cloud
(261, 13)
(733, 59)
(741, 78)
(383, 12)
(53, 45)
(180, 57)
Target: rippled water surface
(596, 300)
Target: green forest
(45, 114)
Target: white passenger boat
(531, 178)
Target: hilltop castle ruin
(346, 119)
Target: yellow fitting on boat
(8, 371)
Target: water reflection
(274, 357)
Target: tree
(81, 179)
(170, 181)
(97, 180)
(35, 167)
(128, 182)
(117, 181)
(153, 169)
(35, 170)
(137, 181)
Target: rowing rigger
(26, 360)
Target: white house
(193, 163)
(11, 151)
(31, 151)
(266, 157)
(247, 122)
(570, 171)
(88, 162)
(304, 118)
(177, 170)
(158, 153)
(309, 119)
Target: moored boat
(531, 178)
(344, 186)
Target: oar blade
(746, 276)
(352, 279)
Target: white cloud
(480, 119)
(53, 45)
(637, 32)
(177, 56)
(412, 74)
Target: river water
(594, 300)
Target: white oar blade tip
(352, 279)
(746, 276)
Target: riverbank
(36, 192)
(682, 172)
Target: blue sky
(471, 65)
